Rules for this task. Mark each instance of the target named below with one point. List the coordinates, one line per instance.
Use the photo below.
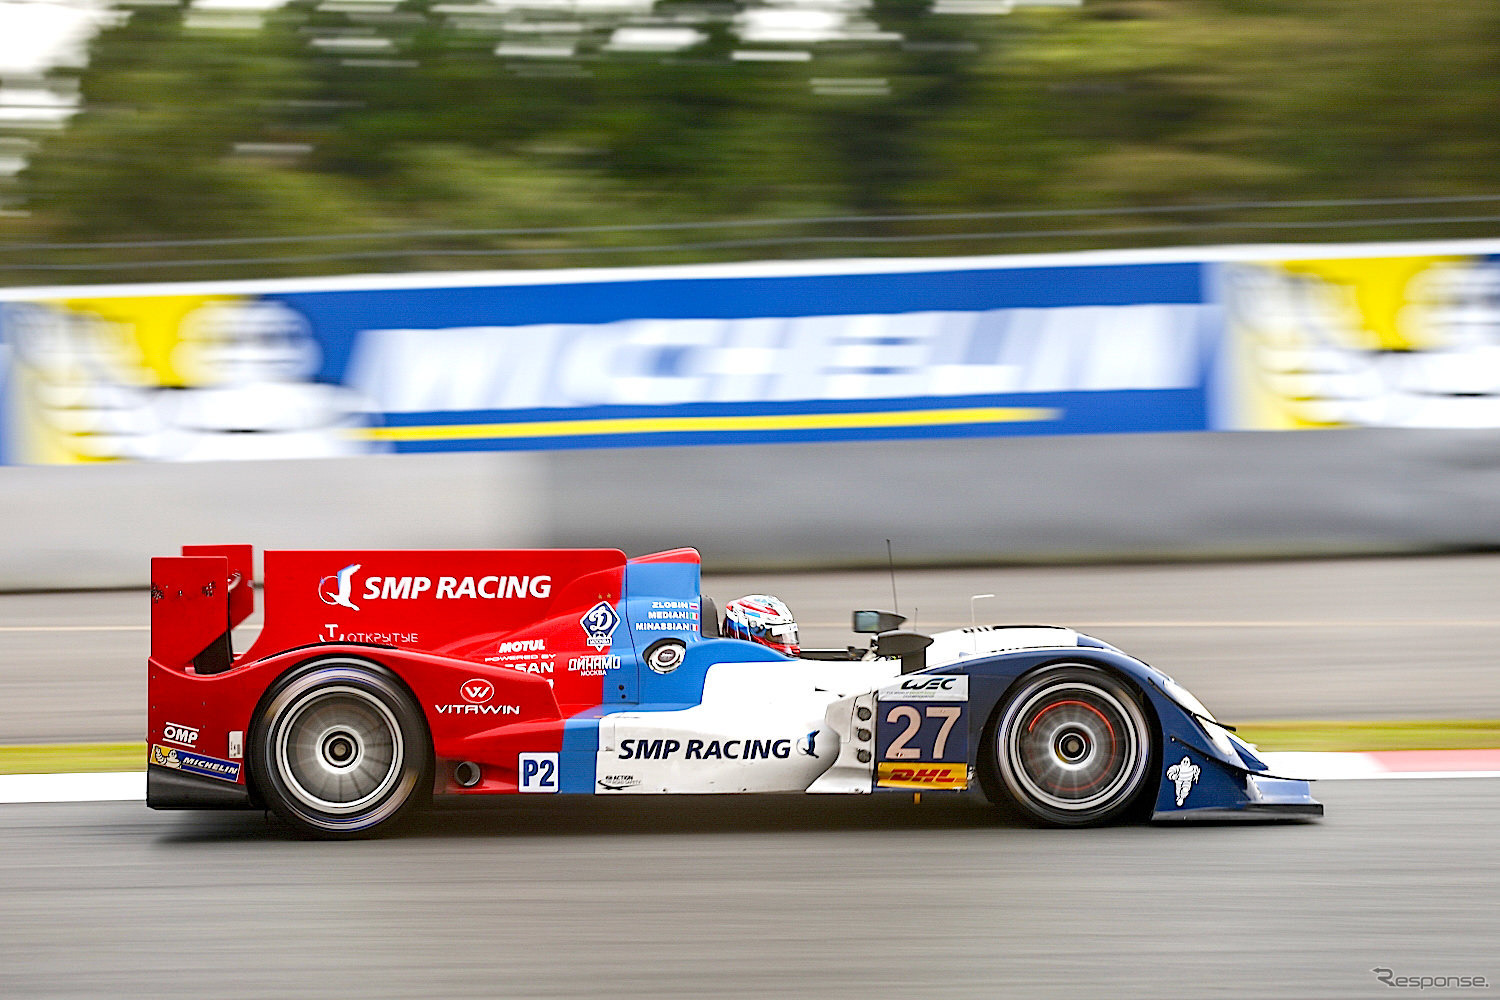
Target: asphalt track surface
(807, 897)
(1323, 639)
(774, 898)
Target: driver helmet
(764, 619)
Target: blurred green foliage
(192, 133)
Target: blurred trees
(348, 120)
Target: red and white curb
(130, 786)
(1385, 764)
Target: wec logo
(930, 684)
(928, 687)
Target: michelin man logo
(1184, 774)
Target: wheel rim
(339, 749)
(1075, 746)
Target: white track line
(104, 786)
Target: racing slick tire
(340, 749)
(1073, 746)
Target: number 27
(905, 713)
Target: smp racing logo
(669, 749)
(338, 588)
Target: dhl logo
(922, 776)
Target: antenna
(891, 560)
(976, 597)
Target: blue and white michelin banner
(1111, 342)
(706, 355)
(809, 357)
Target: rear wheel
(1073, 746)
(340, 750)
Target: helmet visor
(784, 634)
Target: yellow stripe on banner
(679, 425)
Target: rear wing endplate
(196, 599)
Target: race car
(382, 680)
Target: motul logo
(477, 691)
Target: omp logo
(185, 735)
(336, 589)
(477, 690)
(923, 776)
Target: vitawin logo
(477, 692)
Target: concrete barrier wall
(1098, 497)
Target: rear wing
(197, 598)
(449, 601)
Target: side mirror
(911, 647)
(875, 622)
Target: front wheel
(340, 749)
(1073, 746)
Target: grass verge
(1427, 734)
(70, 757)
